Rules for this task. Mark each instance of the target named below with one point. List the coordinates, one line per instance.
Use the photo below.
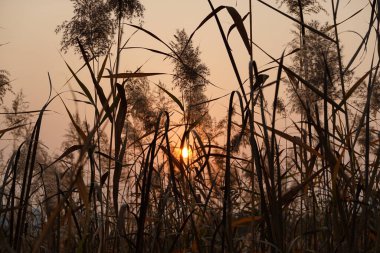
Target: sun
(185, 152)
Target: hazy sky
(33, 48)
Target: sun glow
(185, 152)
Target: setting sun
(185, 152)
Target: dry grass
(319, 192)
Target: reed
(313, 187)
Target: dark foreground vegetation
(278, 174)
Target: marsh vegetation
(294, 172)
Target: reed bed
(263, 190)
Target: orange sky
(33, 48)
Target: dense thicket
(302, 180)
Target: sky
(33, 48)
